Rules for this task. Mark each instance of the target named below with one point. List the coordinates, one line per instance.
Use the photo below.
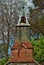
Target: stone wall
(21, 64)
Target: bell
(23, 22)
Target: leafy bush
(38, 49)
(2, 62)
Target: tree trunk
(8, 40)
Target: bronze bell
(23, 19)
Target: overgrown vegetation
(2, 62)
(38, 49)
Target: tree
(36, 21)
(8, 19)
(37, 2)
(38, 49)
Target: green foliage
(38, 49)
(2, 62)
